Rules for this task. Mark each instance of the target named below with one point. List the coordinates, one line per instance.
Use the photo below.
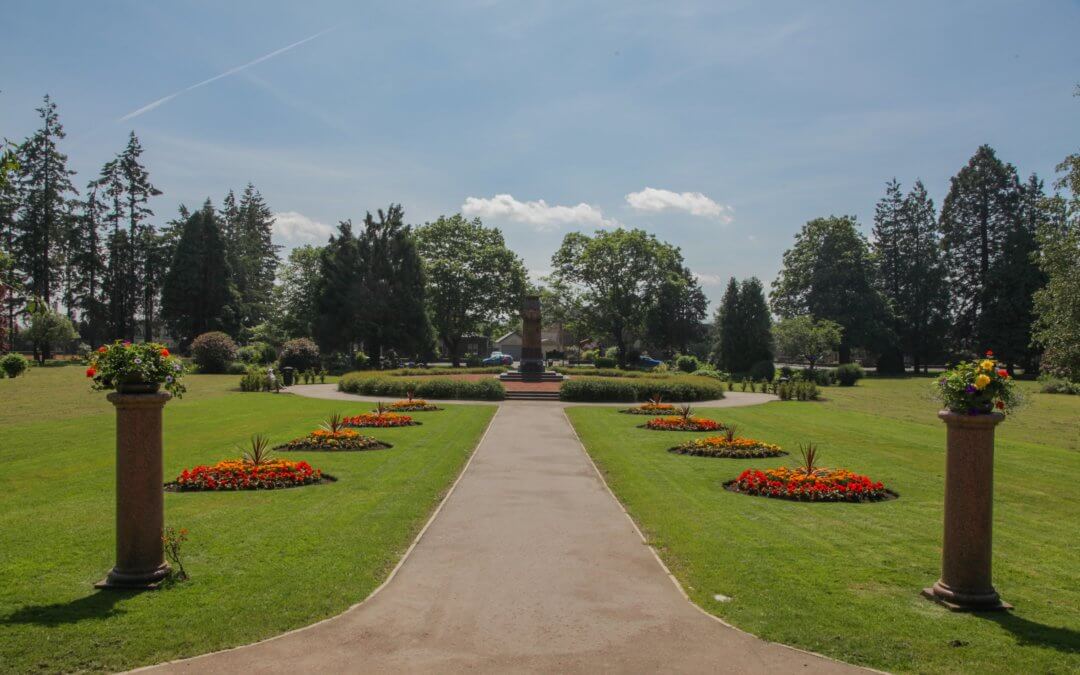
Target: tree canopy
(473, 280)
(803, 337)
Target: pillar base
(146, 581)
(956, 601)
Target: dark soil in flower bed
(324, 479)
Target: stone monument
(531, 366)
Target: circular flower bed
(650, 409)
(238, 474)
(730, 445)
(380, 419)
(413, 405)
(818, 485)
(683, 423)
(334, 441)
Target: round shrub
(847, 374)
(300, 353)
(257, 353)
(687, 363)
(427, 387)
(763, 370)
(605, 362)
(361, 361)
(213, 352)
(14, 364)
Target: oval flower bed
(380, 419)
(810, 483)
(650, 408)
(683, 423)
(238, 474)
(729, 445)
(334, 437)
(413, 405)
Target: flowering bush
(728, 445)
(213, 352)
(239, 474)
(380, 419)
(680, 423)
(977, 388)
(124, 363)
(301, 354)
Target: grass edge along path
(843, 579)
(262, 563)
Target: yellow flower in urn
(981, 381)
(988, 365)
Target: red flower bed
(680, 423)
(386, 419)
(818, 485)
(236, 474)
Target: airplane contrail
(232, 71)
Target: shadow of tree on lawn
(1034, 633)
(99, 605)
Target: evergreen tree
(258, 257)
(340, 293)
(89, 264)
(743, 327)
(9, 276)
(979, 212)
(1008, 308)
(910, 276)
(829, 273)
(394, 312)
(198, 295)
(144, 263)
(44, 186)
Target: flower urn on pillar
(137, 372)
(976, 396)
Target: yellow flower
(987, 364)
(981, 381)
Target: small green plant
(685, 411)
(258, 452)
(334, 423)
(847, 374)
(322, 376)
(14, 364)
(729, 433)
(173, 540)
(744, 384)
(809, 455)
(730, 384)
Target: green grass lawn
(844, 579)
(261, 562)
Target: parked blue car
(498, 359)
(646, 363)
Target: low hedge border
(428, 387)
(611, 390)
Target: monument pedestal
(966, 551)
(531, 367)
(140, 495)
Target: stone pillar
(966, 554)
(140, 496)
(532, 354)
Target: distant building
(552, 338)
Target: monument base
(958, 603)
(145, 581)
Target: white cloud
(694, 203)
(539, 213)
(708, 279)
(295, 226)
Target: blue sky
(719, 126)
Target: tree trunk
(454, 344)
(845, 352)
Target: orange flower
(102, 349)
(989, 353)
(90, 372)
(164, 352)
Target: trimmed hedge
(848, 374)
(635, 389)
(611, 372)
(213, 352)
(441, 370)
(428, 387)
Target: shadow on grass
(1033, 633)
(100, 605)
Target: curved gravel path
(529, 565)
